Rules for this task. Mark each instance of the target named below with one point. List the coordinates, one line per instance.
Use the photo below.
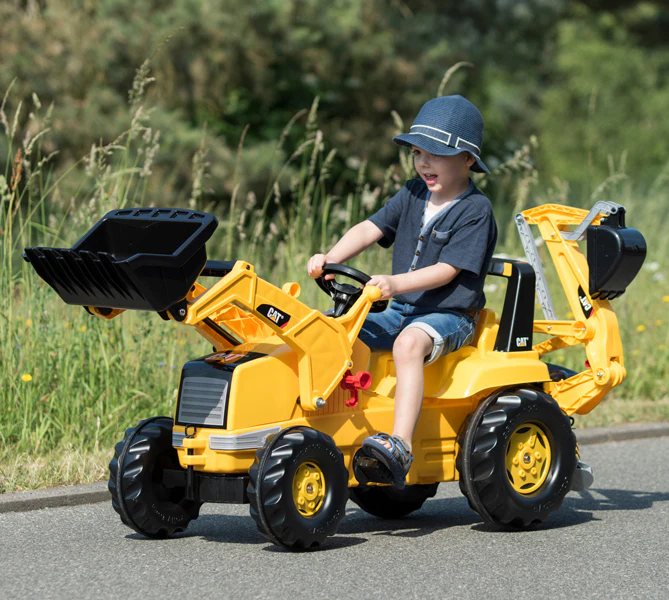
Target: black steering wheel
(345, 294)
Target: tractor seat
(486, 330)
(436, 374)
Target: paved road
(610, 542)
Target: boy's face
(441, 172)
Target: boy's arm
(352, 243)
(426, 278)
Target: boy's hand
(316, 264)
(386, 283)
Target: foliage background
(589, 78)
(277, 115)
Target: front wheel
(298, 488)
(139, 496)
(516, 458)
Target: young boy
(444, 234)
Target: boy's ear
(469, 159)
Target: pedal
(369, 470)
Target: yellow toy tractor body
(276, 414)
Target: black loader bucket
(138, 258)
(615, 255)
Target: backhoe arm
(595, 325)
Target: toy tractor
(275, 416)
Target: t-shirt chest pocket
(440, 238)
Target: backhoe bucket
(141, 259)
(615, 256)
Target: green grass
(70, 384)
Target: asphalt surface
(609, 542)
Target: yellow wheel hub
(528, 458)
(308, 489)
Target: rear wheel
(387, 502)
(139, 496)
(298, 488)
(517, 458)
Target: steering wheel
(345, 294)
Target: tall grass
(70, 384)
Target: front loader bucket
(140, 258)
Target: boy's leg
(424, 338)
(409, 352)
(430, 336)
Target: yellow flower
(26, 377)
(29, 322)
(111, 339)
(68, 324)
(83, 328)
(182, 342)
(19, 318)
(658, 322)
(662, 347)
(635, 352)
(641, 328)
(665, 298)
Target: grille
(203, 401)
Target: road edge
(70, 495)
(621, 433)
(90, 493)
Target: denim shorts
(449, 329)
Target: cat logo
(273, 314)
(521, 342)
(230, 356)
(585, 303)
(225, 357)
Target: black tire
(484, 447)
(270, 491)
(388, 502)
(135, 483)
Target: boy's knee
(412, 343)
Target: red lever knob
(361, 380)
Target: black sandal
(397, 460)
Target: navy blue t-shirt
(462, 235)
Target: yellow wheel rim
(308, 489)
(528, 458)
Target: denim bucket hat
(446, 126)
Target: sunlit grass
(66, 466)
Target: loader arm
(595, 324)
(323, 345)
